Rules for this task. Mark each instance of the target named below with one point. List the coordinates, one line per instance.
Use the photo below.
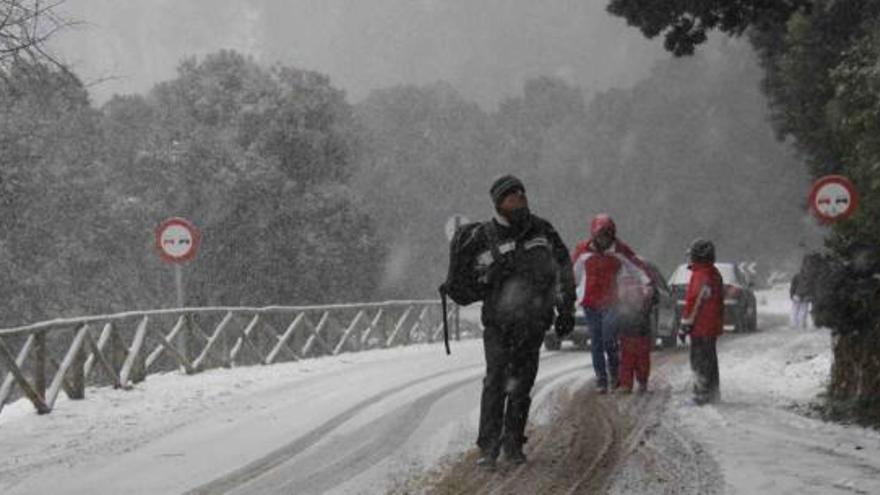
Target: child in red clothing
(634, 330)
(703, 320)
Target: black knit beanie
(503, 186)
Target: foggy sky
(485, 48)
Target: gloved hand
(684, 330)
(564, 324)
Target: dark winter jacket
(634, 325)
(635, 302)
(800, 287)
(527, 274)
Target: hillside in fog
(487, 49)
(687, 152)
(374, 126)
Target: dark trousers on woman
(704, 363)
(512, 354)
(603, 343)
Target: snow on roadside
(111, 422)
(756, 435)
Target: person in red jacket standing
(703, 320)
(600, 263)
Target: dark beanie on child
(503, 186)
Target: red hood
(601, 222)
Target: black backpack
(463, 282)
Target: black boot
(515, 456)
(487, 458)
(513, 451)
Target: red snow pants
(635, 359)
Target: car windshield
(681, 275)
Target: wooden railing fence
(39, 361)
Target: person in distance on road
(801, 294)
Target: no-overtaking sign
(833, 198)
(177, 240)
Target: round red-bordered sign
(177, 240)
(833, 198)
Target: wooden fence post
(225, 349)
(188, 339)
(37, 400)
(78, 369)
(117, 353)
(139, 370)
(134, 367)
(40, 359)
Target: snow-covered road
(363, 423)
(337, 424)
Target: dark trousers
(512, 355)
(704, 363)
(603, 342)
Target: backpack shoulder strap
(494, 274)
(492, 235)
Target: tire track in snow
(413, 413)
(279, 456)
(378, 440)
(579, 451)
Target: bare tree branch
(25, 27)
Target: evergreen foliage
(822, 81)
(259, 159)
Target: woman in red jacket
(703, 320)
(601, 263)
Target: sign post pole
(178, 282)
(183, 340)
(177, 241)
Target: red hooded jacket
(598, 275)
(706, 287)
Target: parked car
(663, 328)
(740, 304)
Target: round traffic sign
(453, 223)
(833, 198)
(177, 240)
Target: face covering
(519, 217)
(603, 242)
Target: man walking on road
(527, 275)
(600, 264)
